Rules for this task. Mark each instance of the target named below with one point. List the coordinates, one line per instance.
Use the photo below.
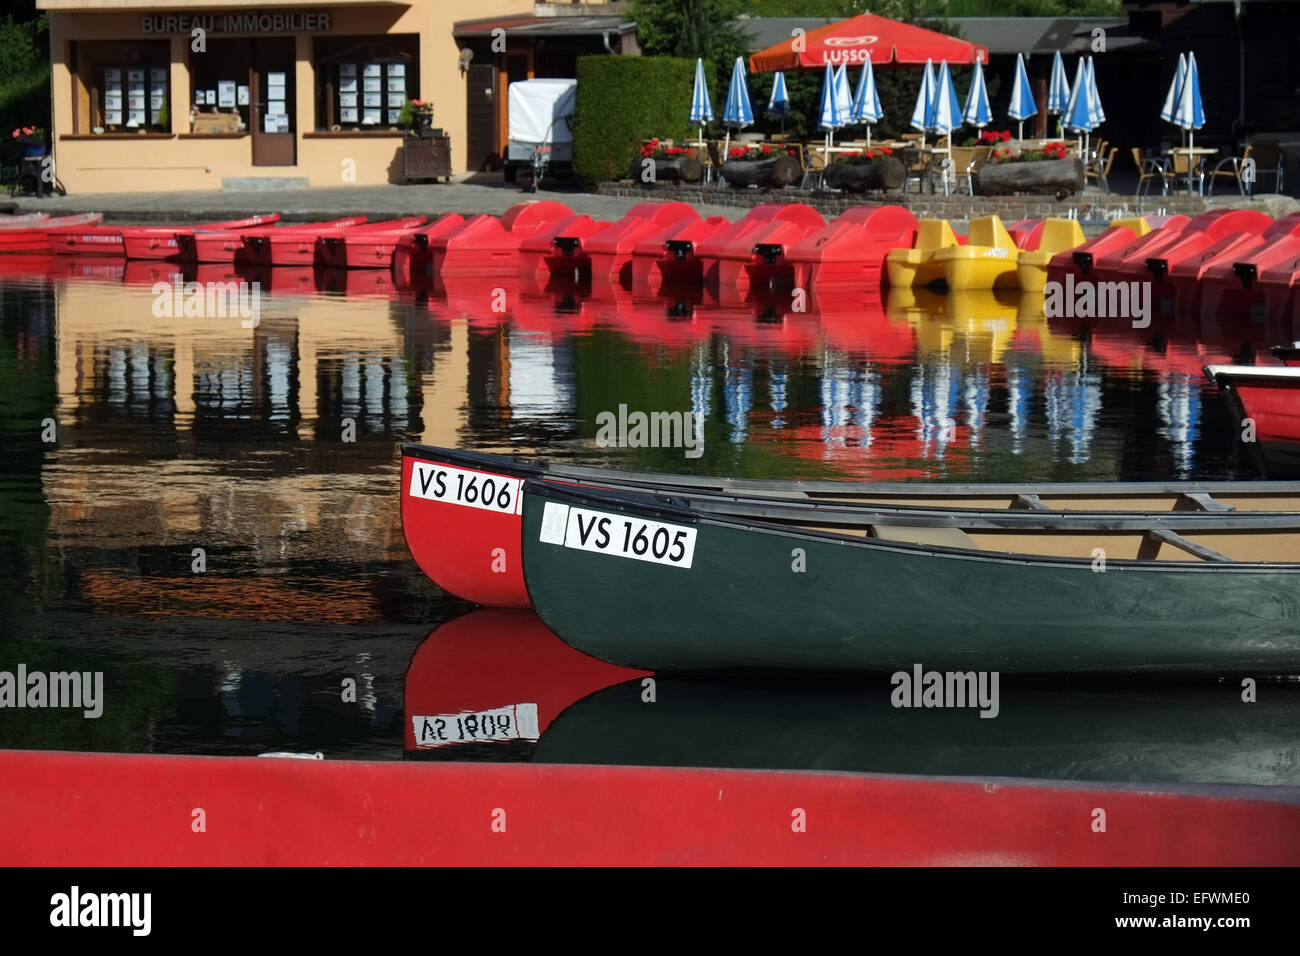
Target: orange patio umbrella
(851, 41)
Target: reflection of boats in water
(486, 684)
(1153, 733)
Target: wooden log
(1053, 177)
(887, 172)
(775, 172)
(673, 169)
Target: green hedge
(623, 100)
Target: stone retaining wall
(1091, 206)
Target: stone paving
(477, 193)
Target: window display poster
(373, 69)
(225, 93)
(373, 84)
(135, 118)
(113, 101)
(210, 97)
(347, 84)
(373, 99)
(242, 96)
(397, 84)
(394, 117)
(158, 75)
(397, 99)
(282, 123)
(155, 101)
(112, 76)
(397, 69)
(113, 117)
(370, 117)
(348, 69)
(268, 123)
(274, 108)
(348, 114)
(135, 101)
(347, 99)
(135, 76)
(275, 79)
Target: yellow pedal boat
(987, 261)
(1058, 235)
(916, 268)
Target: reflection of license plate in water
(515, 722)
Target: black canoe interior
(1216, 538)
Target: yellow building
(155, 95)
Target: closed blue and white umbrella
(1078, 113)
(701, 108)
(977, 112)
(829, 116)
(945, 110)
(1175, 88)
(1190, 112)
(1022, 96)
(843, 97)
(1094, 104)
(1058, 88)
(921, 112)
(866, 100)
(779, 102)
(738, 113)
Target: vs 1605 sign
(618, 535)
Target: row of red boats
(1225, 259)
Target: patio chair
(1231, 167)
(1150, 170)
(813, 160)
(1185, 166)
(1100, 168)
(963, 162)
(916, 164)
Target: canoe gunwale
(625, 503)
(523, 467)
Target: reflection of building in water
(1020, 396)
(211, 434)
(935, 391)
(701, 384)
(1178, 402)
(850, 400)
(975, 394)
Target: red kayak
(273, 811)
(35, 236)
(226, 246)
(159, 242)
(279, 247)
(366, 247)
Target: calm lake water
(208, 513)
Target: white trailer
(540, 118)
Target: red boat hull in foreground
(1268, 396)
(319, 813)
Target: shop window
(122, 87)
(364, 83)
(220, 92)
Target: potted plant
(32, 141)
(762, 165)
(667, 163)
(876, 167)
(1049, 170)
(417, 115)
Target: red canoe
(299, 247)
(274, 811)
(1267, 395)
(226, 246)
(159, 242)
(366, 247)
(35, 237)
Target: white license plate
(471, 489)
(618, 535)
(516, 722)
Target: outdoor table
(1193, 153)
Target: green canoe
(643, 581)
(1168, 732)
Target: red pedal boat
(282, 247)
(159, 242)
(35, 236)
(370, 246)
(226, 246)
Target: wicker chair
(1150, 170)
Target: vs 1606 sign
(470, 489)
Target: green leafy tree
(706, 29)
